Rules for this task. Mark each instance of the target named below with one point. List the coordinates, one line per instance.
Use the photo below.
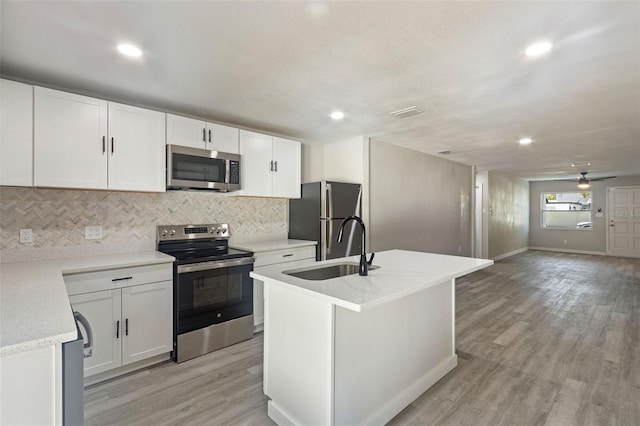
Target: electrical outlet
(459, 249)
(26, 236)
(93, 232)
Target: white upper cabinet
(16, 133)
(136, 149)
(286, 177)
(82, 142)
(270, 166)
(200, 134)
(70, 146)
(222, 138)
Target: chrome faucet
(364, 264)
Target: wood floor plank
(543, 338)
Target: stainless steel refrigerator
(318, 214)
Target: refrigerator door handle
(329, 202)
(329, 236)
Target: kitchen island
(357, 350)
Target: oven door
(210, 293)
(198, 168)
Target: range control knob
(218, 230)
(212, 230)
(164, 233)
(172, 232)
(224, 230)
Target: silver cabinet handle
(275, 166)
(112, 145)
(271, 165)
(121, 279)
(204, 135)
(126, 327)
(287, 255)
(118, 329)
(104, 144)
(88, 345)
(209, 135)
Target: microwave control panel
(234, 172)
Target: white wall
(312, 162)
(344, 160)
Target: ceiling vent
(444, 152)
(407, 112)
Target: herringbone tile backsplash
(58, 217)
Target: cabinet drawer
(284, 256)
(116, 278)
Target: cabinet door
(186, 131)
(69, 140)
(286, 155)
(256, 164)
(102, 310)
(148, 326)
(136, 149)
(16, 133)
(222, 138)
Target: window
(566, 210)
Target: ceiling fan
(584, 182)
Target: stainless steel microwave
(193, 168)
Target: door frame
(607, 209)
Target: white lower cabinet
(102, 311)
(130, 321)
(274, 257)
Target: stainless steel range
(213, 293)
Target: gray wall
(418, 202)
(508, 219)
(590, 241)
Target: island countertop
(401, 273)
(34, 307)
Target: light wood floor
(542, 338)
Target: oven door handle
(215, 264)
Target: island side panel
(385, 357)
(298, 356)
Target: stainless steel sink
(326, 272)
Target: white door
(69, 135)
(102, 310)
(222, 138)
(286, 156)
(136, 149)
(256, 166)
(186, 131)
(623, 210)
(16, 133)
(147, 315)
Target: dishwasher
(73, 355)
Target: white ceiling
(282, 67)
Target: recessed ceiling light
(538, 49)
(129, 50)
(337, 115)
(525, 141)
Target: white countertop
(401, 273)
(260, 246)
(34, 306)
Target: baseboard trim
(279, 416)
(596, 253)
(511, 253)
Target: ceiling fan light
(583, 185)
